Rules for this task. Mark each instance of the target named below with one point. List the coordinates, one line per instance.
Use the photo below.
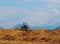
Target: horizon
(33, 27)
(37, 13)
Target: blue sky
(42, 13)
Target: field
(40, 36)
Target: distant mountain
(36, 27)
(58, 27)
(33, 27)
(0, 27)
(17, 26)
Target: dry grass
(17, 36)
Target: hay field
(40, 36)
